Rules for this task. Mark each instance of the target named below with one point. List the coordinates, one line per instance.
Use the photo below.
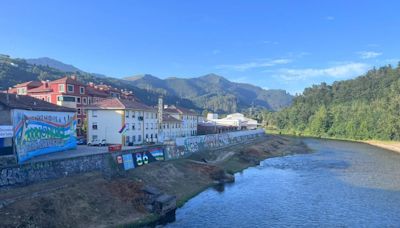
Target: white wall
(109, 122)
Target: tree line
(367, 107)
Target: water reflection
(341, 184)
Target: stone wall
(35, 172)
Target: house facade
(188, 117)
(69, 92)
(122, 121)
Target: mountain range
(209, 92)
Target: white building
(171, 127)
(189, 119)
(236, 119)
(120, 121)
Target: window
(94, 113)
(82, 90)
(84, 100)
(147, 136)
(78, 100)
(127, 114)
(127, 126)
(151, 126)
(155, 136)
(133, 114)
(66, 98)
(94, 126)
(133, 138)
(151, 136)
(89, 100)
(70, 88)
(61, 87)
(139, 138)
(79, 111)
(147, 126)
(133, 126)
(79, 121)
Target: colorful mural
(187, 145)
(140, 158)
(42, 132)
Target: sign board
(6, 131)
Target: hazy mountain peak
(46, 61)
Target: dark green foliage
(14, 71)
(367, 107)
(216, 93)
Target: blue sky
(273, 44)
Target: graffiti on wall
(140, 158)
(42, 132)
(188, 145)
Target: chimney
(73, 77)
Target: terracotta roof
(95, 92)
(116, 103)
(169, 118)
(67, 80)
(30, 103)
(39, 89)
(180, 110)
(30, 83)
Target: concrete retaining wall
(185, 146)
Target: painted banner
(42, 132)
(128, 161)
(140, 158)
(6, 131)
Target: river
(339, 184)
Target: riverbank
(92, 200)
(388, 145)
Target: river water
(339, 184)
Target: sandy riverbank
(90, 200)
(388, 145)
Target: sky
(276, 44)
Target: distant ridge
(214, 92)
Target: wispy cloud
(255, 64)
(270, 42)
(216, 51)
(329, 18)
(369, 54)
(337, 72)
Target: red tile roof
(116, 103)
(30, 84)
(15, 101)
(180, 110)
(169, 118)
(67, 80)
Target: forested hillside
(216, 93)
(14, 71)
(211, 92)
(367, 107)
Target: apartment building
(188, 117)
(122, 121)
(71, 93)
